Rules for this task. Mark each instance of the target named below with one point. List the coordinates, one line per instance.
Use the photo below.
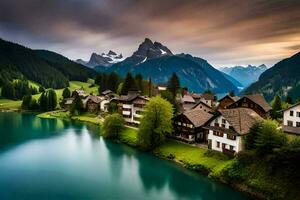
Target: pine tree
(66, 93)
(139, 83)
(52, 100)
(26, 102)
(41, 89)
(77, 106)
(113, 82)
(8, 91)
(129, 84)
(277, 103)
(289, 100)
(43, 101)
(174, 84)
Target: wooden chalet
(203, 106)
(255, 102)
(227, 100)
(189, 126)
(92, 103)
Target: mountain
(233, 81)
(45, 67)
(105, 60)
(158, 62)
(283, 79)
(245, 75)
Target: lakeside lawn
(7, 104)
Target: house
(92, 103)
(206, 98)
(131, 106)
(203, 106)
(189, 126)
(291, 119)
(79, 92)
(187, 102)
(255, 102)
(227, 100)
(159, 88)
(107, 93)
(66, 103)
(104, 105)
(227, 128)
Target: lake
(55, 159)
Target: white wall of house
(133, 112)
(292, 116)
(104, 105)
(237, 143)
(208, 102)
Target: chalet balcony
(125, 112)
(228, 152)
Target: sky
(226, 33)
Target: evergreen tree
(43, 101)
(77, 106)
(52, 100)
(231, 93)
(276, 106)
(66, 93)
(139, 83)
(41, 89)
(173, 84)
(289, 100)
(26, 102)
(113, 82)
(129, 84)
(8, 91)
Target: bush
(113, 125)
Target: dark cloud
(225, 32)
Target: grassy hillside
(44, 67)
(6, 104)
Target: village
(202, 120)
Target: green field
(7, 104)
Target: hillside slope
(44, 67)
(283, 79)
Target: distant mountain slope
(283, 78)
(233, 81)
(44, 67)
(245, 75)
(105, 60)
(158, 62)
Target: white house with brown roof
(227, 128)
(131, 106)
(291, 119)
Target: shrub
(112, 126)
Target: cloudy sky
(227, 32)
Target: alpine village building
(131, 106)
(291, 119)
(227, 100)
(227, 128)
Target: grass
(193, 157)
(7, 104)
(129, 136)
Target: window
(291, 113)
(223, 121)
(231, 147)
(218, 144)
(231, 137)
(297, 124)
(183, 124)
(289, 123)
(179, 123)
(223, 125)
(223, 146)
(298, 114)
(216, 133)
(216, 124)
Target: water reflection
(55, 159)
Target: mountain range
(45, 67)
(154, 60)
(283, 79)
(104, 59)
(245, 75)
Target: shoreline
(202, 169)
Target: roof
(290, 129)
(259, 100)
(292, 106)
(188, 98)
(208, 96)
(201, 102)
(233, 98)
(106, 92)
(198, 117)
(241, 119)
(130, 97)
(93, 98)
